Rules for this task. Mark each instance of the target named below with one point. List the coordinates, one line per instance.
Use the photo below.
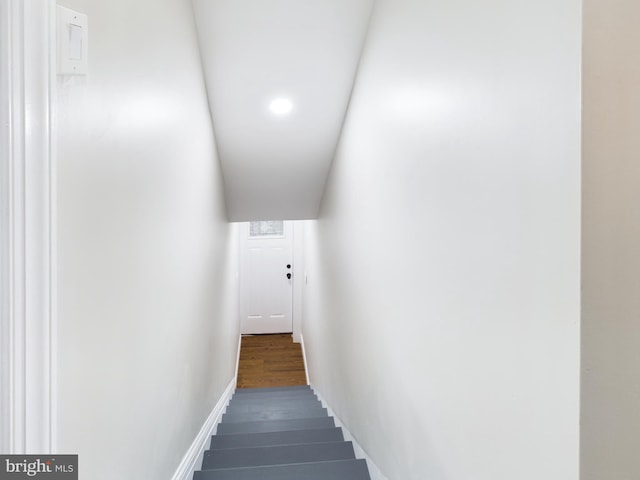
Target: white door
(266, 283)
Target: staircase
(279, 434)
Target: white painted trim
(53, 223)
(193, 458)
(374, 471)
(238, 357)
(5, 228)
(27, 220)
(298, 278)
(304, 358)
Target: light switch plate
(73, 42)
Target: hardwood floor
(270, 361)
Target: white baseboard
(193, 458)
(304, 358)
(374, 471)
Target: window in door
(266, 228)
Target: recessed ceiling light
(280, 106)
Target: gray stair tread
(251, 400)
(275, 425)
(261, 397)
(277, 455)
(337, 470)
(277, 404)
(293, 388)
(255, 392)
(274, 415)
(276, 438)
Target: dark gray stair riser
(284, 397)
(277, 455)
(264, 397)
(274, 415)
(298, 388)
(275, 426)
(338, 470)
(248, 407)
(276, 438)
(272, 391)
(276, 404)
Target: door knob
(289, 276)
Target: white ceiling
(255, 51)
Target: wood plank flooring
(270, 361)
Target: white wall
(441, 314)
(611, 235)
(147, 262)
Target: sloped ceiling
(256, 51)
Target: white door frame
(27, 227)
(247, 243)
(298, 276)
(298, 279)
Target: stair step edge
(293, 388)
(284, 455)
(256, 416)
(281, 446)
(276, 425)
(267, 438)
(336, 470)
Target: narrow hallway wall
(442, 302)
(147, 261)
(611, 235)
